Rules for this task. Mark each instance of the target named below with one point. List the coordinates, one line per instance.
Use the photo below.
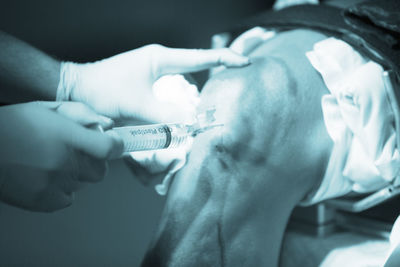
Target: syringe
(161, 136)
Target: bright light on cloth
(357, 114)
(359, 119)
(280, 4)
(174, 89)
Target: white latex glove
(47, 152)
(120, 87)
(151, 165)
(244, 44)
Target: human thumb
(83, 115)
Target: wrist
(69, 77)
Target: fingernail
(245, 61)
(106, 122)
(239, 61)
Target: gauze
(359, 119)
(174, 89)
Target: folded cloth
(395, 235)
(174, 89)
(359, 118)
(280, 4)
(250, 39)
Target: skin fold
(230, 204)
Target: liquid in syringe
(163, 136)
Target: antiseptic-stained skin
(230, 204)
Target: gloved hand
(120, 87)
(46, 152)
(244, 44)
(148, 166)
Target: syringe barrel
(151, 137)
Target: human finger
(79, 113)
(174, 60)
(251, 39)
(59, 193)
(96, 144)
(91, 169)
(36, 190)
(141, 173)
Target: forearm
(26, 73)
